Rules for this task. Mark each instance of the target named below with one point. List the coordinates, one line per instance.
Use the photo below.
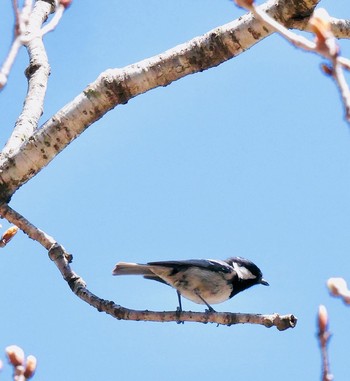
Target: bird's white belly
(213, 287)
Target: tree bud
(320, 23)
(322, 318)
(66, 3)
(15, 355)
(9, 234)
(30, 367)
(337, 286)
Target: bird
(203, 281)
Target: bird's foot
(178, 314)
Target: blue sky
(251, 158)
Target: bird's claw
(178, 313)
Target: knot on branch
(31, 69)
(76, 283)
(283, 322)
(295, 11)
(52, 3)
(57, 252)
(5, 193)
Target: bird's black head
(247, 274)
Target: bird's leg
(179, 309)
(210, 308)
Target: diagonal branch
(6, 67)
(324, 44)
(21, 21)
(118, 86)
(62, 260)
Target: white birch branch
(118, 86)
(9, 61)
(37, 74)
(340, 28)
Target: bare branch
(62, 260)
(32, 231)
(324, 336)
(344, 62)
(9, 61)
(343, 87)
(78, 286)
(325, 44)
(340, 28)
(37, 73)
(21, 22)
(298, 41)
(25, 14)
(17, 15)
(54, 21)
(118, 86)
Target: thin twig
(25, 15)
(52, 24)
(324, 337)
(62, 260)
(23, 224)
(21, 23)
(345, 62)
(17, 16)
(9, 61)
(324, 45)
(343, 87)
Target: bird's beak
(264, 282)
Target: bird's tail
(125, 268)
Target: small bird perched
(203, 281)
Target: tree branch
(9, 61)
(324, 337)
(62, 260)
(324, 45)
(37, 74)
(21, 22)
(340, 28)
(118, 86)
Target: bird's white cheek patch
(243, 272)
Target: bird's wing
(208, 264)
(156, 278)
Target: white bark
(37, 72)
(19, 163)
